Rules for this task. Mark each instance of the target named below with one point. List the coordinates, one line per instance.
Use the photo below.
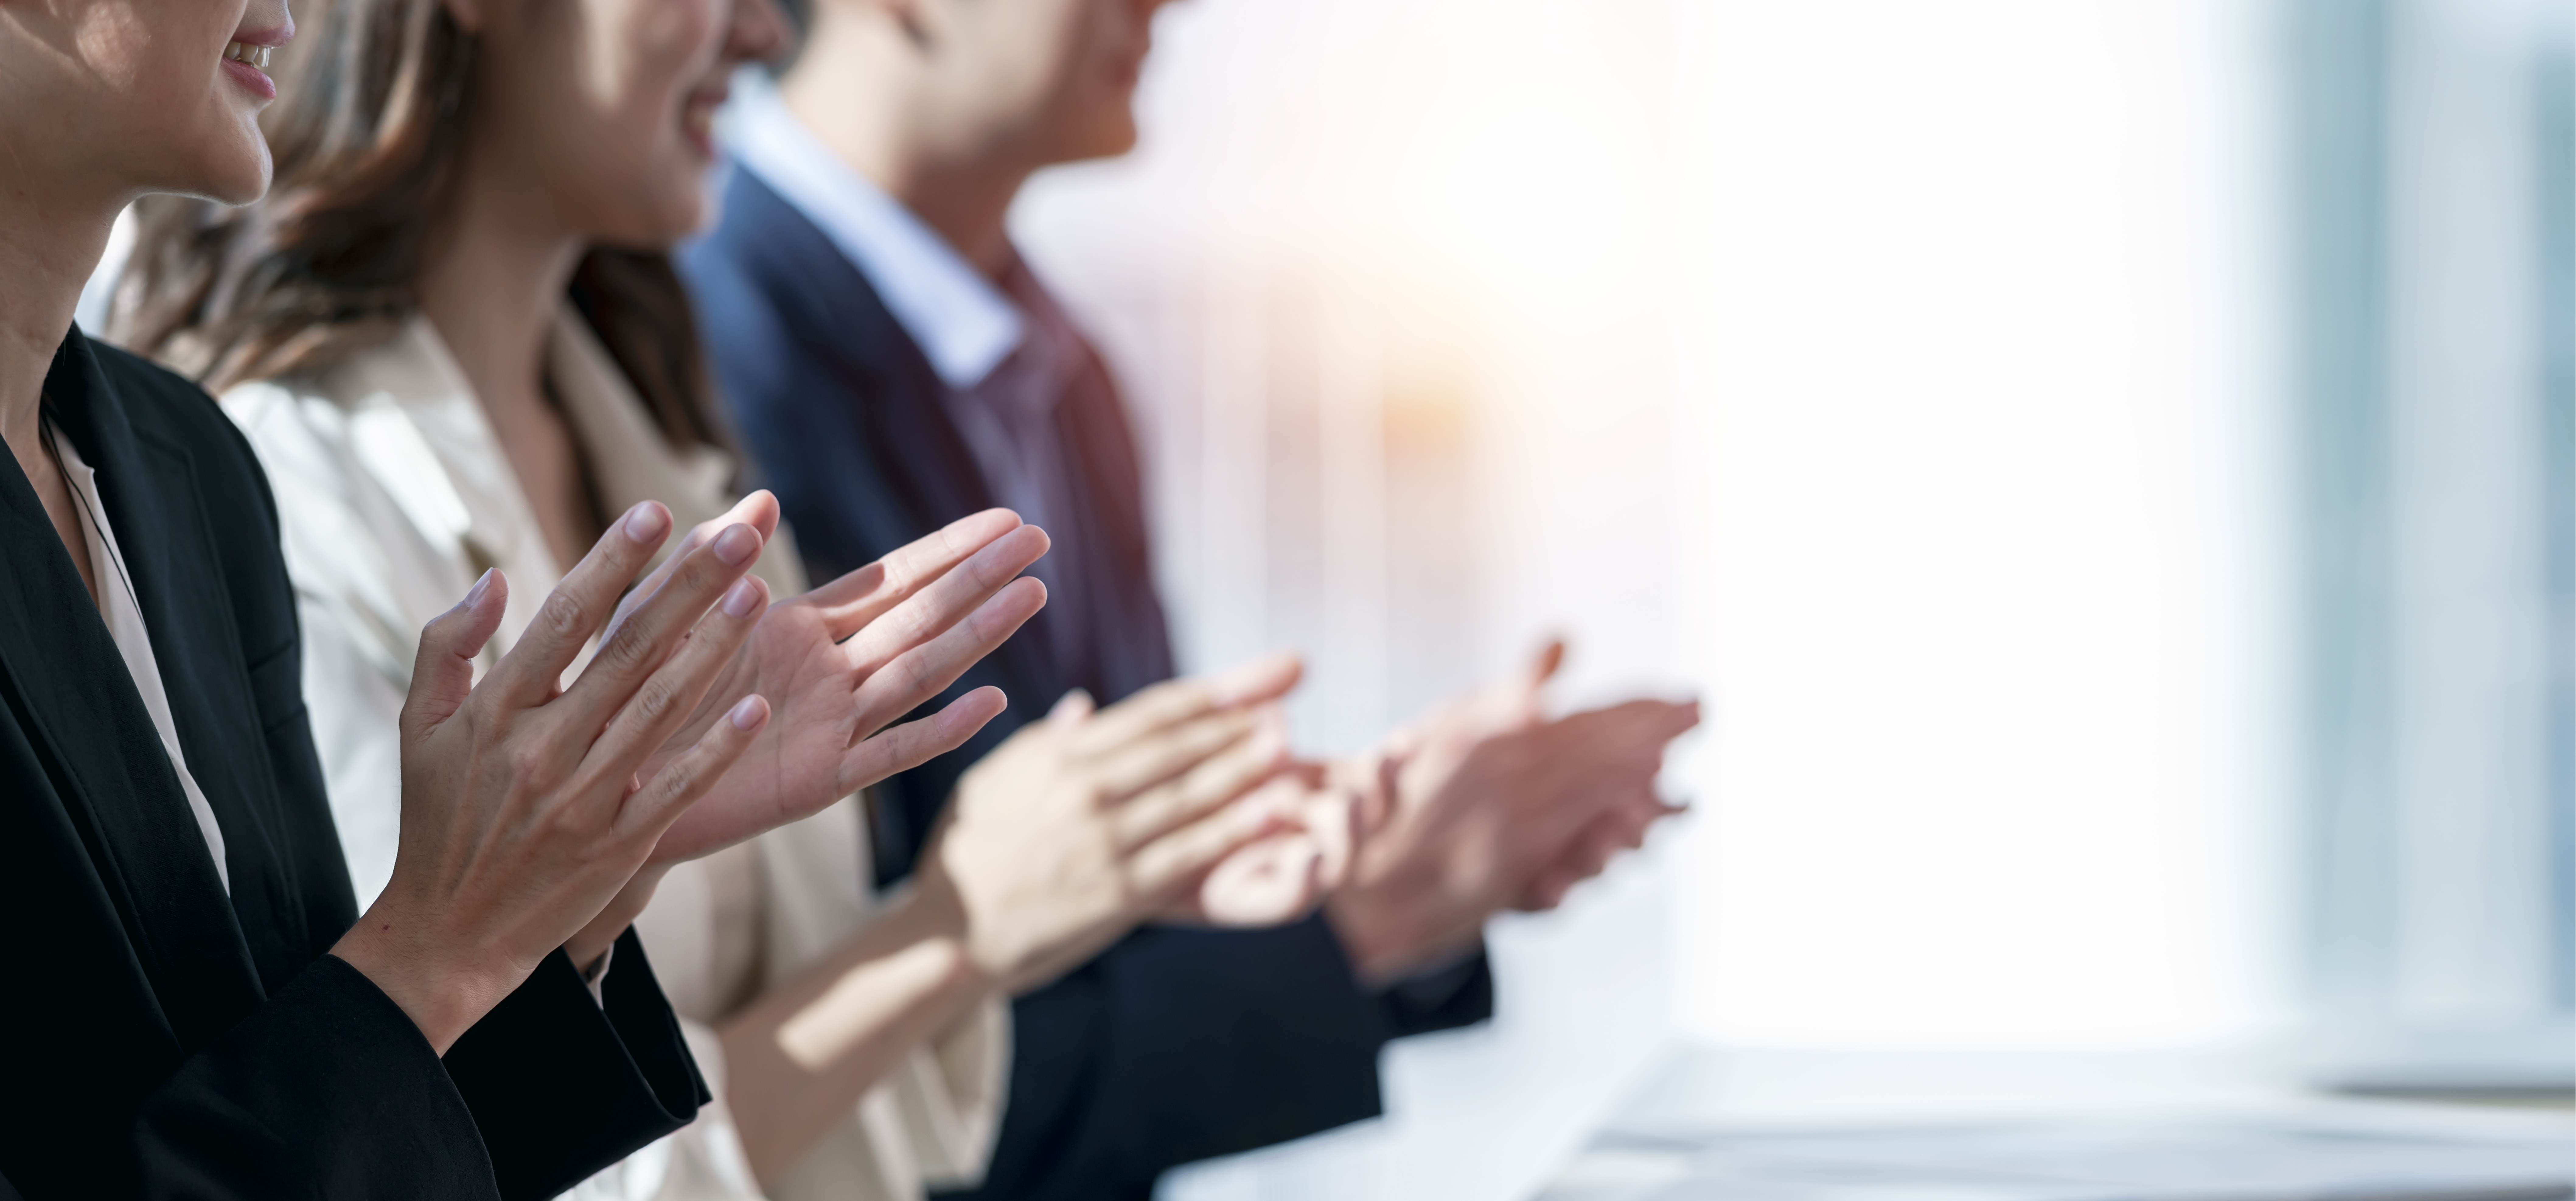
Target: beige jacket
(394, 495)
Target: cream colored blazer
(393, 496)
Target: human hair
(369, 134)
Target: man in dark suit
(893, 364)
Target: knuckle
(656, 699)
(564, 616)
(629, 649)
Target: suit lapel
(145, 483)
(108, 764)
(921, 454)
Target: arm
(330, 1089)
(800, 1056)
(1076, 829)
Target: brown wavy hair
(369, 133)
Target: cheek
(209, 129)
(666, 48)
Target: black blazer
(161, 1041)
(1174, 1045)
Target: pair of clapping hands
(537, 816)
(1487, 805)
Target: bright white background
(1891, 374)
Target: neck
(491, 289)
(48, 247)
(861, 88)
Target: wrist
(593, 940)
(1372, 935)
(442, 994)
(936, 915)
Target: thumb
(1071, 710)
(1543, 667)
(443, 672)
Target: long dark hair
(369, 133)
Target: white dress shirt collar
(964, 324)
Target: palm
(841, 663)
(800, 762)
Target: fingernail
(737, 545)
(746, 712)
(742, 598)
(645, 523)
(1241, 683)
(1270, 740)
(482, 584)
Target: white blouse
(394, 495)
(123, 614)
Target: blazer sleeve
(1181, 1045)
(328, 1090)
(563, 1084)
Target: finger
(1221, 778)
(914, 743)
(645, 639)
(1167, 753)
(1161, 869)
(926, 671)
(650, 810)
(1547, 891)
(657, 706)
(1071, 710)
(1261, 680)
(1625, 726)
(854, 600)
(1543, 666)
(1581, 859)
(577, 607)
(1275, 880)
(758, 510)
(1589, 853)
(944, 601)
(442, 671)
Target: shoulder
(768, 282)
(171, 410)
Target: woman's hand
(1284, 876)
(1082, 825)
(527, 806)
(1494, 805)
(841, 663)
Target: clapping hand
(1493, 805)
(527, 806)
(1080, 826)
(841, 663)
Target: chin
(239, 177)
(1107, 139)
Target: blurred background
(2110, 469)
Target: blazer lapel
(114, 777)
(146, 484)
(923, 457)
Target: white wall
(1888, 371)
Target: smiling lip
(697, 115)
(252, 79)
(246, 58)
(273, 36)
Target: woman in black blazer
(192, 1006)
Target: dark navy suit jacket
(1174, 1045)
